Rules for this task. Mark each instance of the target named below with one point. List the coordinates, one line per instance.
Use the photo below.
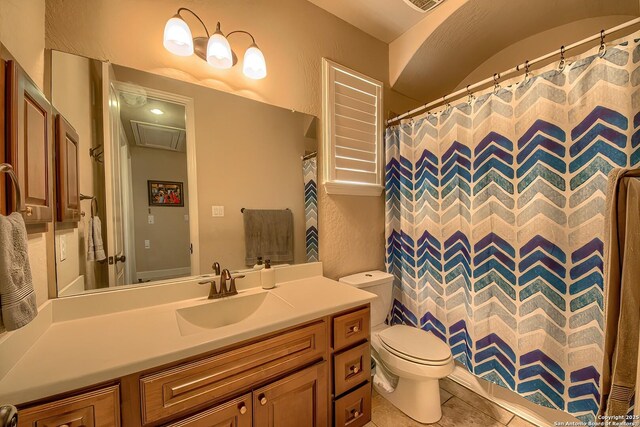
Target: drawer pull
(354, 369)
(355, 414)
(263, 399)
(243, 409)
(64, 425)
(354, 329)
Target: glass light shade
(253, 65)
(219, 51)
(177, 37)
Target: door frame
(192, 176)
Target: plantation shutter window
(353, 131)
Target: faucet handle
(233, 290)
(212, 290)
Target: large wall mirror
(174, 176)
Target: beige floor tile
(444, 395)
(456, 413)
(478, 402)
(384, 414)
(370, 424)
(519, 422)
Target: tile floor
(460, 408)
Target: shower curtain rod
(468, 90)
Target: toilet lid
(415, 343)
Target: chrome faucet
(222, 291)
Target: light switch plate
(217, 211)
(152, 219)
(186, 218)
(147, 244)
(63, 247)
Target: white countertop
(76, 353)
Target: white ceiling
(385, 20)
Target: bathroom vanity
(299, 357)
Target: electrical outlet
(217, 211)
(152, 219)
(63, 247)
(147, 244)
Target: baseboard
(169, 273)
(73, 288)
(512, 402)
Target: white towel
(95, 247)
(17, 297)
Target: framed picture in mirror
(165, 193)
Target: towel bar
(8, 169)
(242, 210)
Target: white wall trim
(163, 274)
(192, 174)
(512, 402)
(353, 189)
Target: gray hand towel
(17, 297)
(95, 246)
(269, 234)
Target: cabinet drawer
(192, 385)
(354, 409)
(350, 328)
(100, 408)
(351, 368)
(236, 413)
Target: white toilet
(418, 358)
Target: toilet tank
(376, 282)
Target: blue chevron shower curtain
(310, 174)
(494, 224)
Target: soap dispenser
(259, 265)
(268, 276)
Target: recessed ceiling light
(156, 111)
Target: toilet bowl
(418, 358)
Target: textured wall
(28, 49)
(294, 36)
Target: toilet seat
(415, 345)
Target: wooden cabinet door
(236, 413)
(67, 183)
(29, 124)
(299, 400)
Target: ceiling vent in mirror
(423, 5)
(151, 135)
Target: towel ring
(8, 169)
(94, 201)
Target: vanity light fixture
(214, 49)
(156, 111)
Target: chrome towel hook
(8, 169)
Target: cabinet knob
(243, 409)
(355, 369)
(29, 211)
(355, 328)
(263, 399)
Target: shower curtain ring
(496, 85)
(603, 48)
(526, 71)
(562, 62)
(471, 97)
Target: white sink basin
(230, 311)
